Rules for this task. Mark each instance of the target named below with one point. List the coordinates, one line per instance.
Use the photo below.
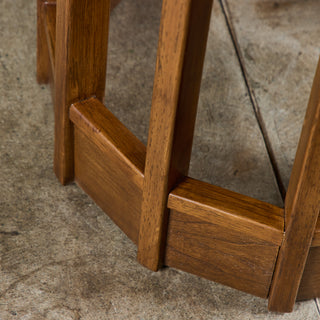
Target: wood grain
(220, 253)
(210, 231)
(109, 163)
(181, 50)
(229, 209)
(48, 8)
(310, 282)
(50, 25)
(302, 207)
(223, 236)
(50, 30)
(80, 69)
(43, 60)
(316, 235)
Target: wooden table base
(176, 221)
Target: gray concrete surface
(60, 256)
(278, 43)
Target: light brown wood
(109, 163)
(302, 209)
(211, 232)
(49, 8)
(182, 43)
(43, 60)
(50, 30)
(304, 148)
(220, 254)
(80, 69)
(223, 236)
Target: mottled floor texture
(61, 256)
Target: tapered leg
(302, 208)
(80, 69)
(182, 43)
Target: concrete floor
(61, 256)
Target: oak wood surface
(43, 60)
(109, 163)
(50, 30)
(229, 209)
(310, 282)
(181, 50)
(43, 52)
(80, 70)
(316, 236)
(114, 3)
(302, 207)
(212, 232)
(50, 25)
(92, 117)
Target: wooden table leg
(80, 69)
(182, 43)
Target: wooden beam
(182, 43)
(49, 7)
(80, 69)
(223, 236)
(302, 207)
(114, 3)
(254, 217)
(316, 235)
(109, 163)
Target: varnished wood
(302, 209)
(310, 282)
(80, 69)
(182, 42)
(109, 163)
(211, 232)
(226, 208)
(223, 236)
(316, 236)
(219, 253)
(43, 60)
(45, 70)
(114, 3)
(50, 30)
